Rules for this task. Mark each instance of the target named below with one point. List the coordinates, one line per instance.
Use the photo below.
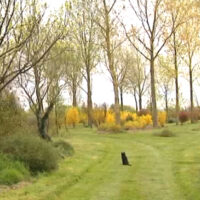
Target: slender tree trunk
(136, 103)
(89, 98)
(140, 101)
(176, 79)
(42, 120)
(56, 119)
(42, 127)
(116, 107)
(166, 105)
(109, 52)
(121, 98)
(74, 91)
(191, 93)
(153, 93)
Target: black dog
(124, 159)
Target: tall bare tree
(85, 35)
(150, 38)
(180, 12)
(165, 78)
(110, 41)
(191, 43)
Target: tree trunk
(42, 122)
(116, 107)
(153, 93)
(166, 105)
(89, 98)
(136, 103)
(176, 79)
(74, 90)
(140, 101)
(110, 55)
(121, 98)
(191, 93)
(56, 119)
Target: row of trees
(43, 53)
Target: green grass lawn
(162, 168)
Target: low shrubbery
(110, 127)
(162, 117)
(143, 112)
(72, 116)
(171, 120)
(165, 133)
(63, 148)
(12, 171)
(139, 122)
(36, 153)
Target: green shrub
(171, 120)
(36, 153)
(11, 171)
(64, 148)
(129, 118)
(110, 127)
(165, 133)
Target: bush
(11, 114)
(11, 171)
(139, 122)
(36, 153)
(129, 125)
(64, 148)
(165, 133)
(129, 118)
(110, 117)
(162, 117)
(183, 116)
(72, 117)
(83, 118)
(171, 120)
(98, 116)
(195, 114)
(110, 127)
(143, 112)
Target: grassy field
(162, 168)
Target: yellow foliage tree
(162, 116)
(72, 116)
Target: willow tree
(42, 83)
(17, 26)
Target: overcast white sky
(102, 86)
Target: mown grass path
(162, 168)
